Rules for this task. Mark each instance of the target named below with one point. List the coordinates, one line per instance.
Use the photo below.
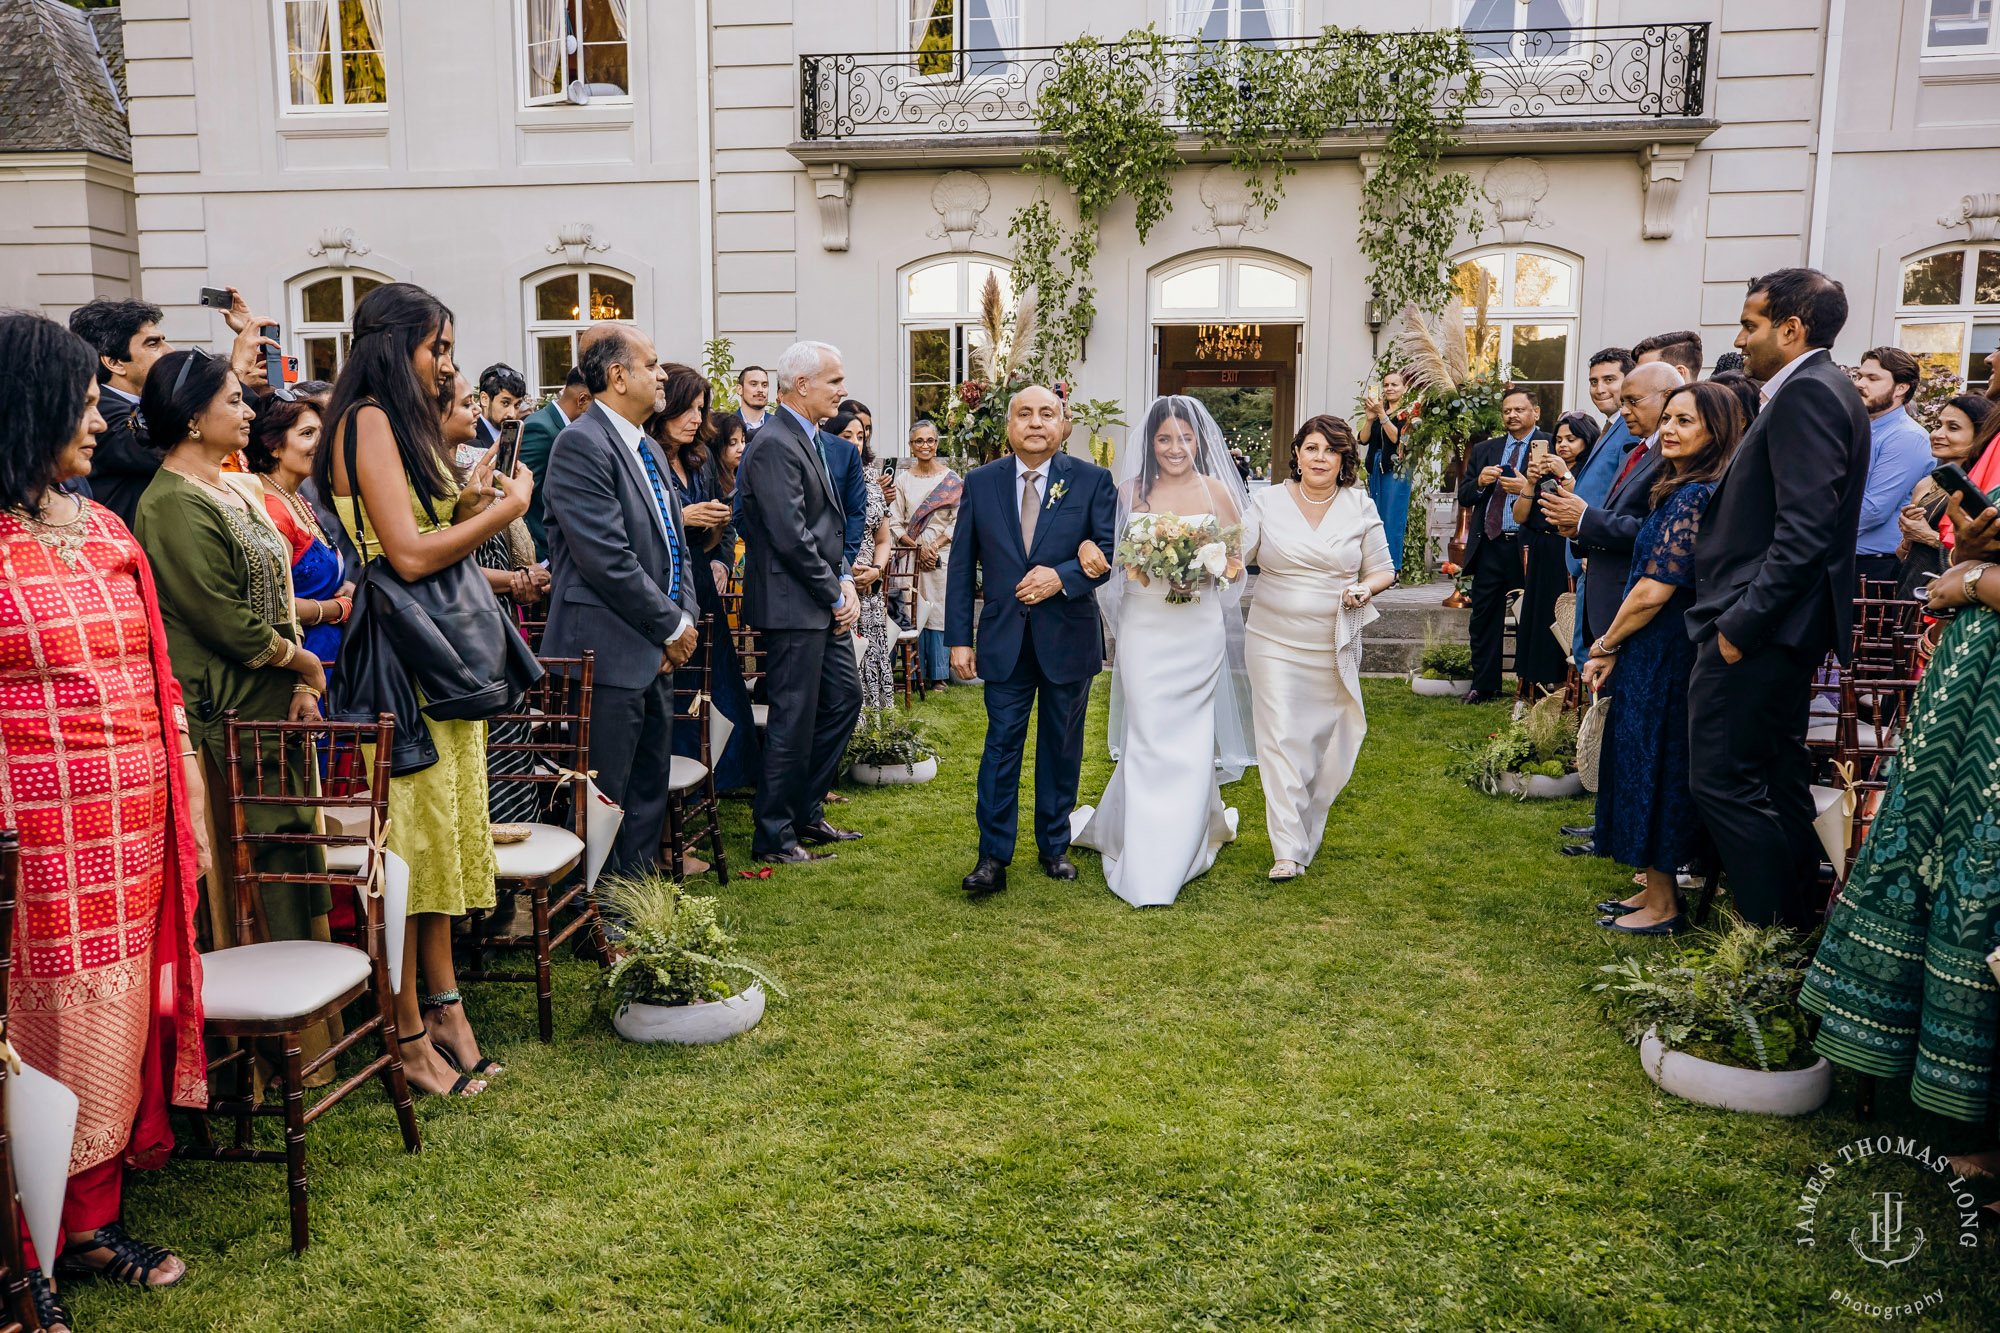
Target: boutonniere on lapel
(1056, 492)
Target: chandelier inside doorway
(1229, 342)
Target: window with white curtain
(939, 304)
(954, 37)
(577, 51)
(1960, 28)
(1259, 21)
(1525, 29)
(332, 54)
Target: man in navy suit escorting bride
(1037, 525)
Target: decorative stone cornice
(960, 198)
(833, 186)
(576, 242)
(337, 246)
(1662, 167)
(1979, 214)
(1231, 211)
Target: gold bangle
(303, 688)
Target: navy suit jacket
(843, 464)
(1080, 503)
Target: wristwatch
(1972, 577)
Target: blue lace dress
(1645, 813)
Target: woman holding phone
(401, 502)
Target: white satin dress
(1161, 819)
(1302, 649)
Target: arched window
(323, 319)
(1258, 21)
(1530, 296)
(562, 305)
(938, 301)
(1234, 288)
(1229, 330)
(1948, 311)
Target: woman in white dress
(1321, 556)
(1179, 724)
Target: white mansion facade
(733, 168)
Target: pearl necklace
(1307, 497)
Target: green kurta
(224, 578)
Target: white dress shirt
(1040, 475)
(1777, 381)
(112, 388)
(635, 439)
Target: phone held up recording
(509, 453)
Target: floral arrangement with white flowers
(1181, 551)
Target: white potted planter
(1439, 689)
(1780, 1092)
(1536, 787)
(691, 1024)
(870, 775)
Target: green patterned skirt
(1900, 981)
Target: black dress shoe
(989, 876)
(1581, 849)
(1058, 866)
(795, 856)
(1579, 830)
(1479, 696)
(822, 833)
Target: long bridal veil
(1136, 468)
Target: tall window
(1530, 299)
(323, 317)
(943, 31)
(1534, 29)
(1949, 312)
(1258, 21)
(1960, 28)
(941, 327)
(578, 50)
(333, 53)
(562, 305)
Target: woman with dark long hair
(689, 438)
(284, 439)
(1645, 813)
(1955, 439)
(102, 782)
(1541, 659)
(1322, 552)
(401, 503)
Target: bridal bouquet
(1180, 550)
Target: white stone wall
(67, 231)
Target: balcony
(1546, 90)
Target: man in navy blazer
(843, 465)
(1021, 525)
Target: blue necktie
(666, 520)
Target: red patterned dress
(90, 778)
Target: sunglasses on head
(180, 380)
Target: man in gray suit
(798, 590)
(622, 581)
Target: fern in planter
(1443, 659)
(886, 737)
(1542, 744)
(675, 949)
(1734, 1001)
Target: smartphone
(274, 364)
(1539, 449)
(510, 449)
(1951, 477)
(889, 469)
(216, 298)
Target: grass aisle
(1375, 1098)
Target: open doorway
(1247, 377)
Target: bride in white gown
(1179, 722)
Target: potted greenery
(1444, 669)
(1720, 1023)
(670, 980)
(1533, 756)
(890, 747)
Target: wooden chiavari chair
(749, 649)
(554, 725)
(906, 665)
(693, 811)
(282, 988)
(17, 1304)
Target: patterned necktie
(1639, 451)
(666, 521)
(1499, 498)
(1030, 509)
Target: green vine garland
(1109, 116)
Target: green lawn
(1378, 1097)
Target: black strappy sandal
(132, 1261)
(458, 1087)
(49, 1311)
(487, 1065)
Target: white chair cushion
(346, 860)
(1828, 731)
(760, 715)
(907, 635)
(685, 773)
(346, 819)
(546, 850)
(282, 979)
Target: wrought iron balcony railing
(1654, 70)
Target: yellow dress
(438, 818)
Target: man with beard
(1899, 454)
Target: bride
(1179, 722)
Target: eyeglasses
(1634, 402)
(194, 355)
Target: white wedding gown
(1161, 819)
